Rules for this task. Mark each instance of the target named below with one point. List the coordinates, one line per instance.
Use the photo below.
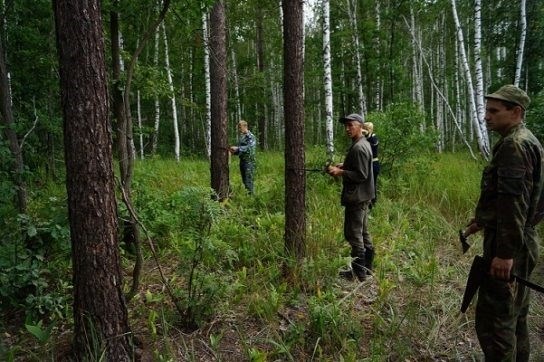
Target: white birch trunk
(172, 94)
(352, 13)
(521, 48)
(155, 138)
(208, 123)
(236, 87)
(327, 80)
(481, 130)
(440, 94)
(416, 63)
(478, 69)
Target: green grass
(408, 311)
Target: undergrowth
(224, 261)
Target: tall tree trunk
(8, 125)
(352, 12)
(478, 68)
(293, 94)
(140, 129)
(172, 94)
(236, 87)
(327, 80)
(99, 306)
(261, 115)
(208, 124)
(155, 138)
(218, 71)
(479, 125)
(416, 63)
(521, 47)
(377, 46)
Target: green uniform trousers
(501, 311)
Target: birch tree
(479, 125)
(156, 126)
(327, 80)
(352, 13)
(172, 94)
(478, 69)
(521, 46)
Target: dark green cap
(512, 94)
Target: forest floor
(247, 311)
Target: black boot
(369, 260)
(357, 270)
(358, 267)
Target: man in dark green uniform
(510, 190)
(357, 192)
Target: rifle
(478, 271)
(323, 169)
(463, 240)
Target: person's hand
(334, 171)
(501, 268)
(472, 228)
(233, 149)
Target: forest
(126, 232)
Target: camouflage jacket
(510, 189)
(246, 147)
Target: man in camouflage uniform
(510, 190)
(357, 192)
(246, 151)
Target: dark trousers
(356, 229)
(246, 170)
(501, 311)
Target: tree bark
(218, 71)
(327, 80)
(261, 111)
(7, 120)
(521, 47)
(172, 94)
(100, 314)
(208, 124)
(479, 126)
(295, 212)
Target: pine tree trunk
(208, 121)
(293, 94)
(218, 71)
(100, 314)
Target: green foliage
(535, 116)
(41, 333)
(401, 137)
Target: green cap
(512, 94)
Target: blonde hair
(369, 126)
(242, 123)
